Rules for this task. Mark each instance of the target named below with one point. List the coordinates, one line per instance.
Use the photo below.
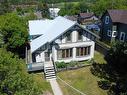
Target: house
(86, 18)
(60, 40)
(114, 25)
(54, 12)
(72, 18)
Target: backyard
(82, 79)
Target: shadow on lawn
(111, 80)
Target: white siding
(74, 45)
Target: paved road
(55, 87)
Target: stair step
(50, 77)
(49, 70)
(49, 67)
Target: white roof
(37, 27)
(56, 27)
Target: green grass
(81, 79)
(43, 84)
(99, 58)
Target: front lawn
(81, 79)
(44, 85)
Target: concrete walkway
(55, 87)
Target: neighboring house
(86, 18)
(114, 25)
(54, 12)
(60, 40)
(72, 18)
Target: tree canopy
(14, 80)
(14, 31)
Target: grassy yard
(99, 58)
(44, 85)
(82, 79)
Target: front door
(47, 56)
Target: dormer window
(80, 35)
(107, 20)
(68, 37)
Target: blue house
(114, 25)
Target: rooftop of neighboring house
(72, 18)
(86, 15)
(118, 16)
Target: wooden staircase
(49, 71)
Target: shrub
(72, 64)
(60, 64)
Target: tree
(14, 80)
(43, 8)
(4, 7)
(101, 6)
(14, 31)
(117, 57)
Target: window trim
(106, 19)
(113, 33)
(109, 32)
(88, 52)
(65, 51)
(123, 37)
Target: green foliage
(72, 63)
(13, 76)
(14, 31)
(43, 8)
(73, 9)
(101, 6)
(60, 64)
(117, 56)
(5, 7)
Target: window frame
(70, 33)
(109, 33)
(64, 53)
(83, 51)
(123, 37)
(78, 32)
(106, 19)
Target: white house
(60, 40)
(54, 12)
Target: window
(80, 35)
(109, 33)
(114, 28)
(114, 31)
(64, 53)
(68, 37)
(107, 20)
(82, 51)
(122, 36)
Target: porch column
(74, 53)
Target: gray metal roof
(50, 31)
